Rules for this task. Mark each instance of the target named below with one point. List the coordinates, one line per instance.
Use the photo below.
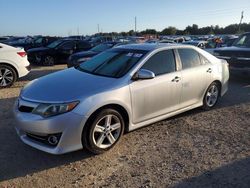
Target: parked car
(13, 65)
(11, 40)
(56, 52)
(80, 57)
(238, 55)
(167, 41)
(123, 88)
(35, 42)
(2, 39)
(100, 39)
(21, 42)
(197, 43)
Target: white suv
(13, 65)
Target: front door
(160, 95)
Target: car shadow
(235, 174)
(18, 159)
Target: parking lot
(194, 149)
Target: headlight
(48, 110)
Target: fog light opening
(53, 140)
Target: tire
(211, 96)
(7, 76)
(48, 61)
(102, 131)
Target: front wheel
(48, 61)
(211, 96)
(103, 131)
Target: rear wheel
(211, 96)
(7, 76)
(103, 131)
(48, 61)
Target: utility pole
(98, 28)
(241, 18)
(78, 31)
(135, 25)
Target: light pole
(135, 25)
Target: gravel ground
(194, 149)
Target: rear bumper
(24, 70)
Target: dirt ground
(194, 149)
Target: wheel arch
(122, 110)
(12, 66)
(219, 83)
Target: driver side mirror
(143, 74)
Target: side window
(68, 45)
(83, 45)
(204, 60)
(161, 63)
(189, 58)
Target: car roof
(149, 46)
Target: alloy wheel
(49, 61)
(6, 77)
(106, 131)
(212, 96)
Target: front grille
(26, 109)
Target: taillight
(22, 54)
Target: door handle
(176, 79)
(209, 70)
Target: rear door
(196, 76)
(160, 95)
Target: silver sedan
(122, 89)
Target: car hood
(41, 49)
(66, 86)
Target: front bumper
(69, 125)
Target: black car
(34, 42)
(80, 57)
(238, 55)
(57, 52)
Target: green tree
(169, 31)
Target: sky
(70, 17)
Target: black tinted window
(161, 63)
(189, 58)
(68, 45)
(83, 45)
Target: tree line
(190, 30)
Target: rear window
(189, 58)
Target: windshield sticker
(138, 55)
(130, 54)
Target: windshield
(54, 44)
(102, 47)
(243, 41)
(39, 40)
(112, 63)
